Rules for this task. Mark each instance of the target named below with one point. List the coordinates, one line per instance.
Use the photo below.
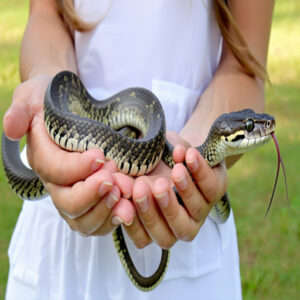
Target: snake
(130, 128)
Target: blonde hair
(226, 22)
(68, 12)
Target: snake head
(243, 130)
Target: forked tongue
(279, 163)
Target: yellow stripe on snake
(78, 122)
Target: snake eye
(249, 125)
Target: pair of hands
(94, 198)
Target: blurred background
(269, 247)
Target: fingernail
(179, 147)
(127, 196)
(143, 203)
(128, 223)
(182, 183)
(163, 199)
(96, 164)
(7, 114)
(11, 139)
(116, 220)
(105, 187)
(112, 199)
(193, 165)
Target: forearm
(47, 46)
(231, 88)
(226, 92)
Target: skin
(89, 192)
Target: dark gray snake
(78, 122)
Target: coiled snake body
(77, 122)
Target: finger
(27, 100)
(95, 217)
(179, 153)
(74, 201)
(180, 146)
(56, 165)
(110, 165)
(125, 183)
(150, 216)
(193, 200)
(122, 213)
(138, 234)
(182, 225)
(211, 181)
(174, 138)
(16, 120)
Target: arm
(40, 59)
(230, 89)
(47, 46)
(77, 182)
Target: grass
(269, 246)
(270, 260)
(13, 16)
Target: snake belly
(78, 122)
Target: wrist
(45, 70)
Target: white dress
(172, 48)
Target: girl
(60, 248)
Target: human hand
(83, 186)
(160, 217)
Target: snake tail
(29, 186)
(144, 284)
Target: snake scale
(78, 122)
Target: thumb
(27, 101)
(17, 119)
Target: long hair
(226, 22)
(233, 37)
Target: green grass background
(269, 247)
